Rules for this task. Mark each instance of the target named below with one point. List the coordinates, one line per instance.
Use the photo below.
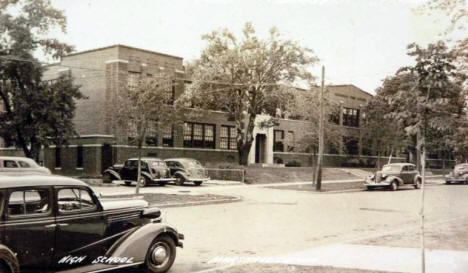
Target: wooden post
(318, 185)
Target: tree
(239, 77)
(144, 106)
(35, 112)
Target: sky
(359, 42)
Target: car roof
(13, 181)
(146, 158)
(16, 158)
(179, 159)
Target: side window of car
(27, 202)
(411, 168)
(10, 164)
(74, 200)
(24, 164)
(405, 168)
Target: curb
(197, 203)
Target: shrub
(293, 163)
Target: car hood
(113, 203)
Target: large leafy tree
(35, 112)
(430, 104)
(239, 75)
(143, 106)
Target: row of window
(350, 117)
(38, 201)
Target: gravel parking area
(450, 236)
(326, 187)
(168, 200)
(263, 268)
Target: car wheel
(107, 178)
(394, 185)
(161, 255)
(418, 184)
(198, 183)
(144, 181)
(179, 180)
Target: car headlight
(384, 176)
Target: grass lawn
(326, 187)
(262, 175)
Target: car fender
(8, 257)
(115, 174)
(147, 175)
(393, 177)
(135, 244)
(183, 174)
(416, 178)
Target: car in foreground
(393, 176)
(54, 223)
(20, 165)
(459, 174)
(153, 170)
(187, 170)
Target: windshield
(391, 168)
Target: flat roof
(11, 180)
(125, 46)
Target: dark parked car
(153, 170)
(187, 170)
(394, 176)
(54, 223)
(458, 175)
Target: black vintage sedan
(153, 170)
(54, 223)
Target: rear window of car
(24, 164)
(28, 202)
(10, 164)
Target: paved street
(275, 224)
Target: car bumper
(163, 180)
(191, 179)
(372, 184)
(454, 180)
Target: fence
(226, 174)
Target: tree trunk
(243, 152)
(137, 188)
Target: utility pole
(318, 184)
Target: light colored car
(458, 175)
(187, 170)
(395, 175)
(21, 165)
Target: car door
(406, 174)
(412, 173)
(30, 226)
(80, 225)
(130, 170)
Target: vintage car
(458, 175)
(187, 170)
(20, 165)
(395, 175)
(153, 170)
(53, 223)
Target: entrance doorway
(260, 142)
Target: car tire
(144, 181)
(418, 184)
(4, 268)
(161, 255)
(394, 185)
(180, 180)
(107, 178)
(198, 183)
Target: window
(10, 164)
(199, 135)
(228, 137)
(351, 145)
(350, 117)
(58, 158)
(79, 156)
(24, 164)
(74, 200)
(151, 138)
(278, 137)
(168, 136)
(27, 202)
(335, 117)
(291, 141)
